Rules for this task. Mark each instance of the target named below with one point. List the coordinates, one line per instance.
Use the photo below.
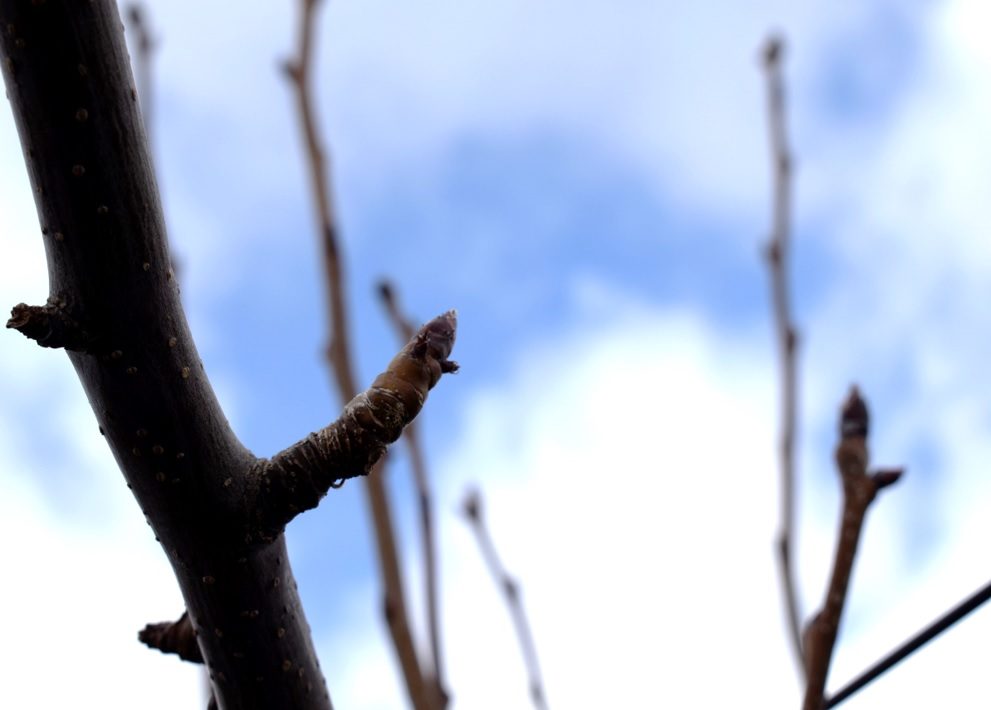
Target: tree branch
(338, 351)
(404, 328)
(298, 477)
(472, 508)
(859, 490)
(778, 253)
(338, 356)
(74, 104)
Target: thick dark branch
(472, 508)
(404, 328)
(175, 637)
(859, 491)
(778, 253)
(298, 477)
(75, 107)
(112, 288)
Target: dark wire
(913, 644)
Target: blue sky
(588, 184)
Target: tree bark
(114, 306)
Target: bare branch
(299, 73)
(859, 490)
(778, 254)
(72, 96)
(338, 356)
(297, 478)
(472, 509)
(404, 328)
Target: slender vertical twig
(404, 329)
(778, 253)
(472, 508)
(859, 490)
(338, 356)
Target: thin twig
(961, 610)
(338, 356)
(146, 46)
(404, 328)
(402, 324)
(778, 253)
(859, 490)
(472, 508)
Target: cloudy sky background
(588, 183)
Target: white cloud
(638, 510)
(912, 229)
(628, 480)
(628, 469)
(75, 595)
(671, 90)
(905, 314)
(82, 572)
(23, 273)
(630, 484)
